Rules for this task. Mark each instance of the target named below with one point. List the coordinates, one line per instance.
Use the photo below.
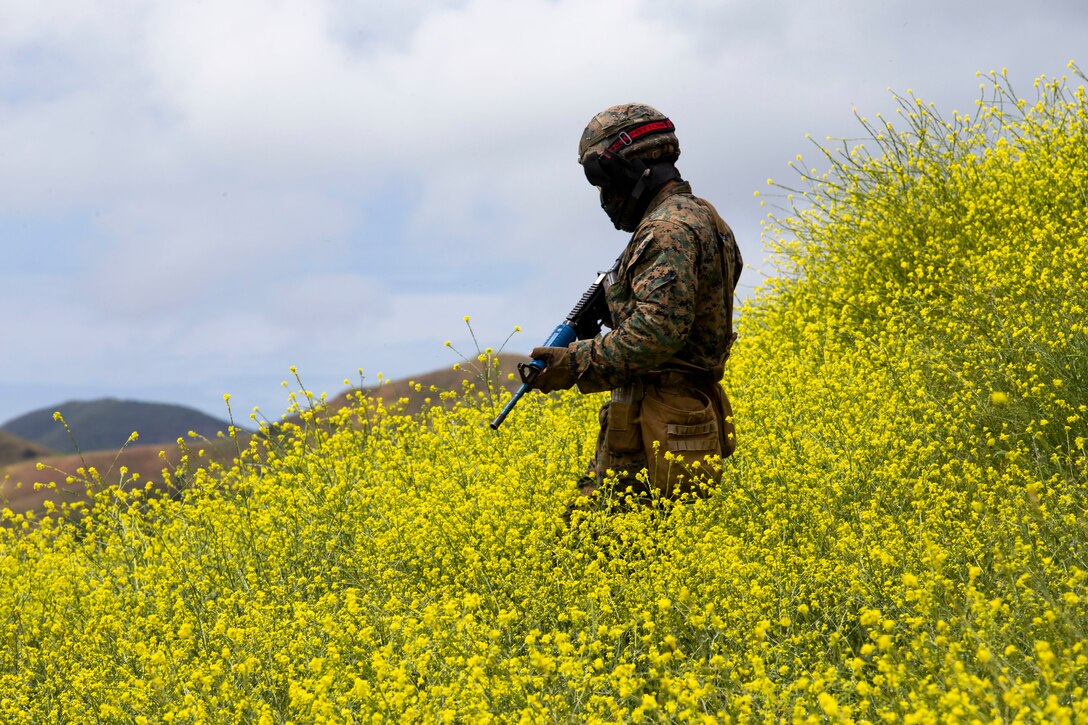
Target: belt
(636, 390)
(674, 376)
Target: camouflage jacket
(671, 295)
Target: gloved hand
(557, 374)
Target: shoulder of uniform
(682, 209)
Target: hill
(420, 391)
(19, 458)
(24, 487)
(106, 424)
(14, 449)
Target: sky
(197, 196)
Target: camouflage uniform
(671, 301)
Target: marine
(668, 422)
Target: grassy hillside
(24, 464)
(422, 391)
(26, 486)
(901, 536)
(14, 449)
(31, 475)
(106, 424)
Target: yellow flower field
(901, 537)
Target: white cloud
(178, 248)
(327, 183)
(332, 303)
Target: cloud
(342, 302)
(177, 248)
(215, 191)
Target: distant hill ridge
(443, 379)
(106, 423)
(103, 426)
(14, 449)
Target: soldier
(670, 296)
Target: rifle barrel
(509, 406)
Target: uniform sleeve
(662, 274)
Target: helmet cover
(631, 130)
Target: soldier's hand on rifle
(556, 374)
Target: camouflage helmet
(630, 130)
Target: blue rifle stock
(584, 321)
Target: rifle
(584, 321)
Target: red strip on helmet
(628, 137)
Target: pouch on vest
(680, 420)
(622, 434)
